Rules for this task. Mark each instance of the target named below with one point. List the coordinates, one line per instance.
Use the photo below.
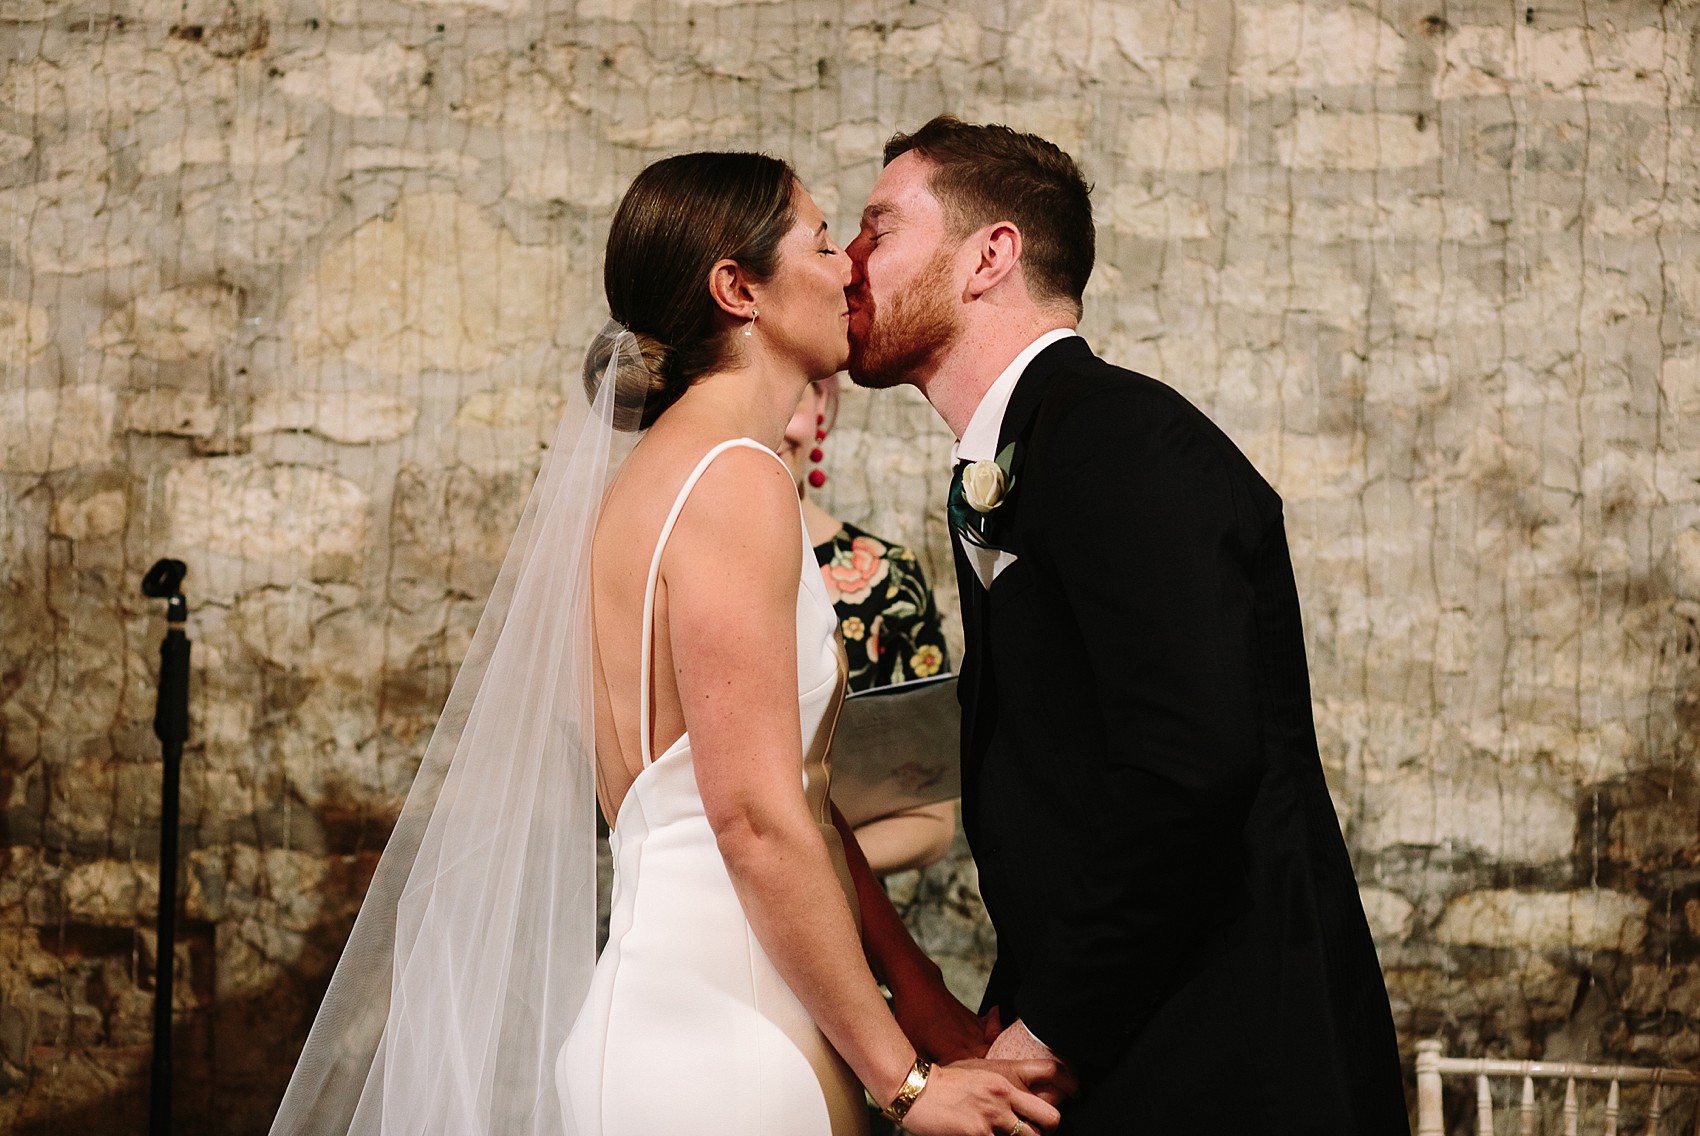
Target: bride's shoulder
(737, 517)
(744, 478)
(710, 469)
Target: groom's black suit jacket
(1175, 910)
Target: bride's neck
(750, 403)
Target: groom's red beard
(917, 324)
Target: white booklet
(897, 747)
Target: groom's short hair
(991, 173)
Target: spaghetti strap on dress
(688, 1027)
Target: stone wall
(294, 289)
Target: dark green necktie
(964, 521)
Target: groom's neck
(982, 350)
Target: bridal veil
(475, 942)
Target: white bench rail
(1432, 1067)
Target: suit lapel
(979, 704)
(1030, 389)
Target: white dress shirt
(979, 442)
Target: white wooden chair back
(1432, 1067)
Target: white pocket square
(988, 562)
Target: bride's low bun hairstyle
(637, 374)
(681, 216)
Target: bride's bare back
(732, 492)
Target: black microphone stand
(171, 725)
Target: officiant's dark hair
(992, 173)
(680, 216)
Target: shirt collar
(979, 441)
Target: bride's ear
(729, 284)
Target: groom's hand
(1017, 1043)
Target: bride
(666, 648)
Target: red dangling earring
(817, 477)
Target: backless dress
(687, 1027)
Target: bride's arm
(731, 571)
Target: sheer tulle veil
(474, 945)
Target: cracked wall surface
(295, 290)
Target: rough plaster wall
(294, 289)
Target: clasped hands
(946, 1031)
(1017, 1043)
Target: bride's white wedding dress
(687, 1027)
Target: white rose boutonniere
(984, 484)
(983, 487)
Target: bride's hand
(983, 1098)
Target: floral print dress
(885, 609)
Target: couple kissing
(1142, 792)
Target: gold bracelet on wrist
(912, 1086)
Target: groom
(1175, 910)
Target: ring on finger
(1020, 1127)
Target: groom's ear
(999, 248)
(729, 284)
